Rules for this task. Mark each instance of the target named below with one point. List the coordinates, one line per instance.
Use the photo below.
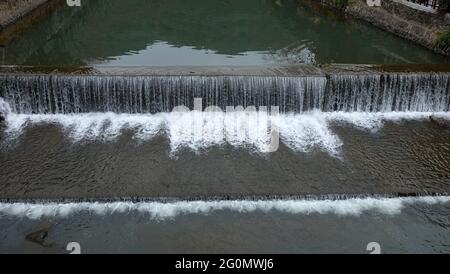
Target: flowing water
(151, 94)
(350, 147)
(308, 163)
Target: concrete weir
(295, 89)
(300, 70)
(334, 121)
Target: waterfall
(101, 106)
(147, 94)
(391, 92)
(151, 94)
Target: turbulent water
(159, 210)
(201, 130)
(302, 112)
(101, 107)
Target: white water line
(161, 210)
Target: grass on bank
(340, 3)
(443, 40)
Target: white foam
(374, 120)
(201, 130)
(304, 132)
(161, 211)
(5, 109)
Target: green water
(207, 32)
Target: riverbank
(421, 27)
(16, 16)
(13, 10)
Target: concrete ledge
(416, 6)
(284, 71)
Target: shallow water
(125, 183)
(419, 228)
(79, 156)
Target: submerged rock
(39, 236)
(442, 122)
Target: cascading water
(153, 94)
(101, 107)
(385, 93)
(146, 94)
(92, 107)
(5, 109)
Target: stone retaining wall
(417, 26)
(13, 10)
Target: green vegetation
(341, 3)
(443, 40)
